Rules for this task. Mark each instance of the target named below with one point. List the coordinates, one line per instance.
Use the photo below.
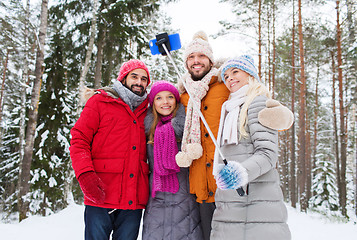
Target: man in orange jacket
(209, 92)
(197, 147)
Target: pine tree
(53, 182)
(325, 195)
(25, 169)
(51, 160)
(15, 34)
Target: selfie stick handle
(196, 107)
(240, 190)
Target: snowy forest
(51, 50)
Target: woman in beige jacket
(251, 150)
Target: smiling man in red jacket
(108, 152)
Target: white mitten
(276, 116)
(183, 160)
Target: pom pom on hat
(200, 34)
(199, 44)
(131, 65)
(160, 86)
(243, 62)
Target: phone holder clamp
(163, 38)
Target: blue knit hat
(243, 62)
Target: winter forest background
(51, 49)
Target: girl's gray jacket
(171, 216)
(260, 214)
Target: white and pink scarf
(198, 90)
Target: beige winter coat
(260, 214)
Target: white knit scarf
(198, 90)
(228, 124)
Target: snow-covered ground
(68, 224)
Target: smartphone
(174, 44)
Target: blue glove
(232, 176)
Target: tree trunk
(99, 62)
(24, 175)
(316, 113)
(284, 146)
(3, 86)
(292, 146)
(69, 175)
(25, 77)
(350, 14)
(302, 121)
(274, 50)
(88, 54)
(308, 161)
(335, 129)
(343, 134)
(269, 52)
(109, 62)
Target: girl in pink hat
(171, 212)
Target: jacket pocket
(143, 183)
(110, 171)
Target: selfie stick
(162, 42)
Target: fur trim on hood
(85, 93)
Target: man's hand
(92, 187)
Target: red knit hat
(131, 65)
(160, 86)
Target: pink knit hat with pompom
(160, 86)
(131, 65)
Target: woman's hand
(232, 176)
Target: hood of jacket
(85, 93)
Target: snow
(68, 224)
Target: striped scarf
(198, 89)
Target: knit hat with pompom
(131, 65)
(160, 86)
(199, 44)
(243, 62)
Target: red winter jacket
(109, 139)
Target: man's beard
(141, 93)
(200, 76)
